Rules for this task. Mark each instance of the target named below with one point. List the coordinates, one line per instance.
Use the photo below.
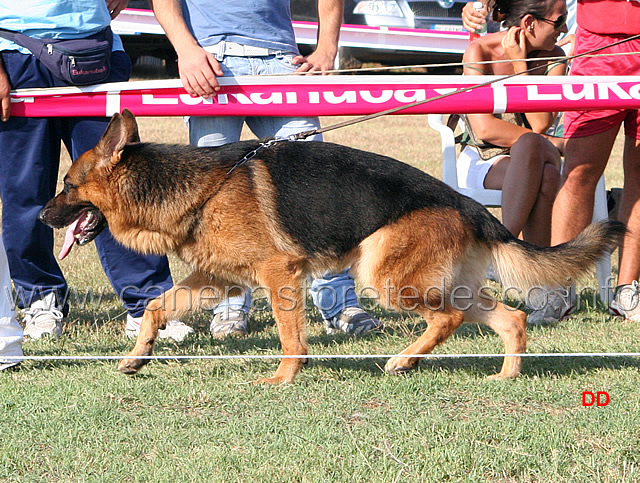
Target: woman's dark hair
(512, 11)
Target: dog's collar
(247, 157)
(252, 154)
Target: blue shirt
(259, 23)
(58, 19)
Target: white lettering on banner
(593, 95)
(241, 98)
(445, 90)
(534, 95)
(150, 99)
(411, 95)
(271, 98)
(499, 98)
(587, 92)
(193, 101)
(634, 91)
(349, 97)
(292, 97)
(112, 103)
(385, 96)
(604, 88)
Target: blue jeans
(29, 161)
(216, 131)
(334, 292)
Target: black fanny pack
(76, 61)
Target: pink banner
(334, 96)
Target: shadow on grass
(477, 367)
(532, 367)
(400, 329)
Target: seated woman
(529, 173)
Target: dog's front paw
(400, 365)
(503, 375)
(130, 366)
(272, 380)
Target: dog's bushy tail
(523, 265)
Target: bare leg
(585, 160)
(537, 230)
(529, 180)
(629, 213)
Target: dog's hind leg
(283, 277)
(510, 324)
(174, 302)
(440, 325)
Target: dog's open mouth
(84, 229)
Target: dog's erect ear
(132, 126)
(122, 130)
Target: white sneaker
(492, 275)
(550, 309)
(626, 302)
(229, 322)
(175, 329)
(352, 320)
(43, 318)
(6, 366)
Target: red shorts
(586, 123)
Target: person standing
(230, 38)
(590, 136)
(30, 148)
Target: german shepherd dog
(301, 208)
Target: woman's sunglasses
(557, 23)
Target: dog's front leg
(152, 321)
(195, 291)
(284, 280)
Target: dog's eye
(68, 187)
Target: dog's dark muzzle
(84, 225)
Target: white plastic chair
(493, 198)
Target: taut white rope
(320, 356)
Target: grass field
(343, 420)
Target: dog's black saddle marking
(331, 197)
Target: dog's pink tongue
(69, 240)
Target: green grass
(343, 419)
